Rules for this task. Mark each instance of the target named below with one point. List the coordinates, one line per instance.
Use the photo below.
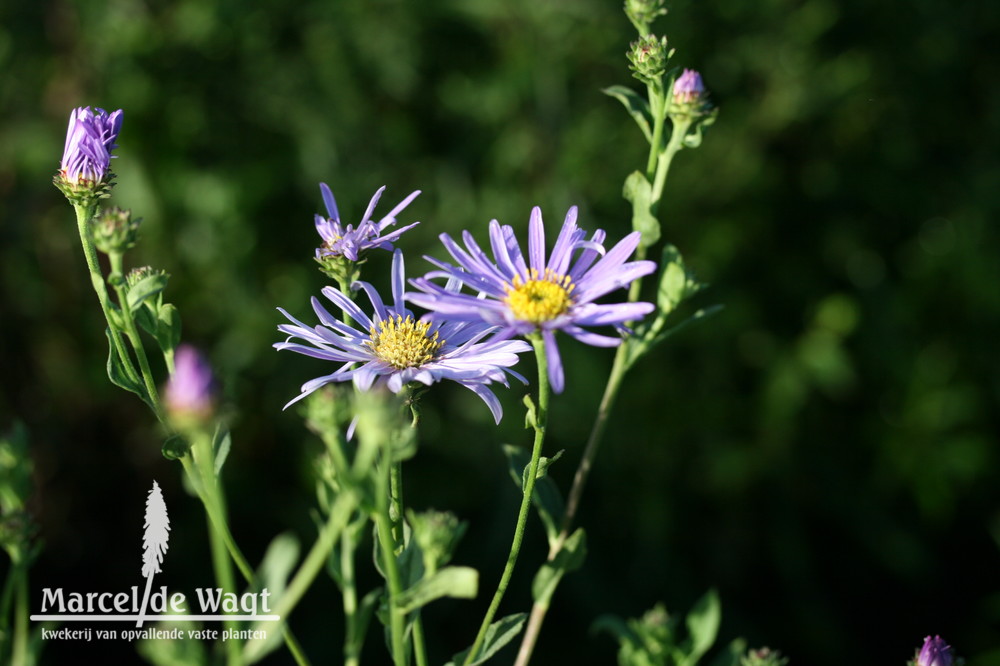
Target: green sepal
(569, 558)
(455, 582)
(639, 193)
(694, 137)
(175, 447)
(498, 635)
(117, 374)
(148, 286)
(547, 500)
(637, 106)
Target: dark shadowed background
(824, 451)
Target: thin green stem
(133, 335)
(396, 514)
(219, 524)
(340, 513)
(205, 462)
(83, 217)
(620, 367)
(657, 107)
(349, 594)
(387, 544)
(541, 419)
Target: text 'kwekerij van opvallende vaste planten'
(488, 311)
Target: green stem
(133, 335)
(340, 513)
(657, 107)
(83, 217)
(621, 364)
(681, 126)
(220, 526)
(541, 418)
(352, 644)
(396, 513)
(387, 545)
(205, 461)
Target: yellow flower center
(539, 298)
(404, 343)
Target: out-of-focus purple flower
(538, 295)
(350, 241)
(688, 88)
(935, 652)
(393, 349)
(189, 392)
(90, 138)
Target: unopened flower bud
(935, 652)
(85, 172)
(643, 12)
(115, 231)
(437, 533)
(189, 394)
(648, 58)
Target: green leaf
(731, 655)
(168, 327)
(531, 413)
(498, 634)
(569, 558)
(700, 314)
(546, 498)
(703, 625)
(638, 107)
(639, 193)
(221, 444)
(117, 374)
(275, 569)
(146, 319)
(167, 652)
(144, 288)
(694, 137)
(674, 280)
(456, 582)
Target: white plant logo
(154, 542)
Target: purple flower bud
(189, 390)
(688, 88)
(90, 139)
(934, 653)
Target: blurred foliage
(824, 451)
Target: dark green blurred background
(824, 451)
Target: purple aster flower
(393, 348)
(523, 297)
(350, 241)
(934, 653)
(90, 138)
(189, 391)
(688, 88)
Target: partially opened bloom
(350, 241)
(86, 161)
(393, 348)
(688, 88)
(935, 652)
(538, 295)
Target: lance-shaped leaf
(498, 634)
(638, 108)
(456, 582)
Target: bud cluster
(648, 58)
(115, 231)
